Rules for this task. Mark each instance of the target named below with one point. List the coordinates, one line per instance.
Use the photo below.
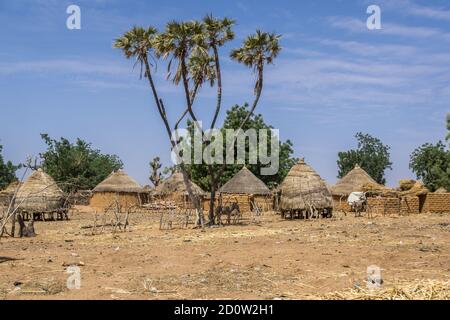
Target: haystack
(417, 189)
(173, 189)
(441, 190)
(39, 193)
(303, 189)
(118, 189)
(248, 191)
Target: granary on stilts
(354, 181)
(173, 190)
(248, 191)
(40, 196)
(304, 193)
(117, 191)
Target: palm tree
(257, 50)
(217, 32)
(138, 43)
(178, 38)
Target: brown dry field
(276, 259)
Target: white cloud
(411, 8)
(358, 26)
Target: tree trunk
(212, 203)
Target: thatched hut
(7, 194)
(174, 190)
(356, 180)
(117, 190)
(248, 191)
(40, 194)
(304, 192)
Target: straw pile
(245, 182)
(39, 193)
(441, 190)
(354, 181)
(118, 182)
(416, 189)
(417, 290)
(303, 187)
(175, 184)
(406, 184)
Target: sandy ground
(287, 259)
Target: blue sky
(333, 78)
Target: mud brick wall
(409, 205)
(104, 200)
(340, 204)
(384, 206)
(437, 203)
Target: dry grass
(407, 290)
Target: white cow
(357, 202)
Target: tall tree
(431, 163)
(234, 118)
(192, 51)
(448, 127)
(7, 171)
(76, 166)
(155, 175)
(371, 155)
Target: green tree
(76, 166)
(7, 171)
(431, 163)
(155, 175)
(448, 127)
(234, 117)
(371, 155)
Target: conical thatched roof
(11, 188)
(39, 193)
(118, 181)
(441, 190)
(175, 184)
(354, 181)
(303, 187)
(245, 182)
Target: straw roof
(39, 193)
(354, 181)
(245, 182)
(175, 184)
(441, 190)
(11, 188)
(303, 187)
(118, 181)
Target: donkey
(228, 211)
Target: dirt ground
(275, 259)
